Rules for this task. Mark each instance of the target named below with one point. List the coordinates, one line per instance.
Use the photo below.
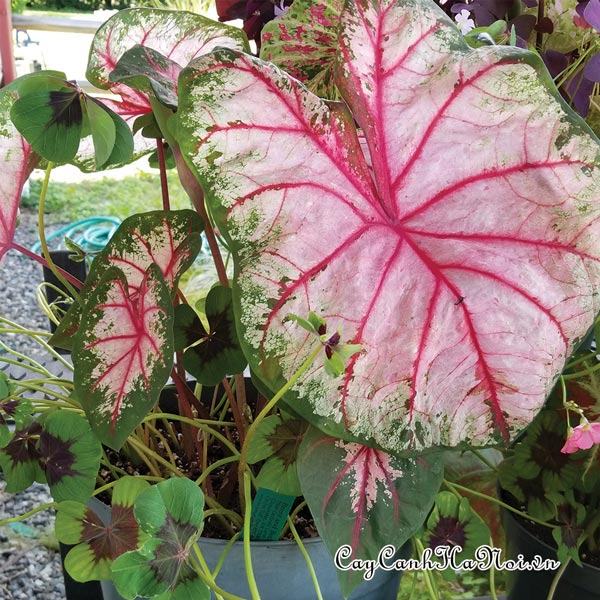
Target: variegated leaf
(123, 352)
(169, 239)
(465, 262)
(179, 36)
(98, 544)
(364, 498)
(17, 162)
(303, 42)
(171, 514)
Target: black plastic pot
(61, 258)
(576, 583)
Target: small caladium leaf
(19, 459)
(452, 523)
(98, 544)
(148, 71)
(170, 239)
(178, 36)
(277, 440)
(17, 162)
(303, 42)
(362, 497)
(123, 352)
(210, 355)
(171, 514)
(69, 454)
(465, 309)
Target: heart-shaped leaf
(210, 355)
(146, 70)
(303, 42)
(362, 497)
(276, 441)
(60, 450)
(19, 459)
(13, 410)
(169, 239)
(178, 36)
(98, 544)
(17, 162)
(171, 514)
(123, 352)
(467, 282)
(51, 121)
(69, 455)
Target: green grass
(67, 202)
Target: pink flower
(583, 437)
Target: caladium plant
(465, 291)
(394, 300)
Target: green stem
(455, 486)
(247, 552)
(493, 577)
(270, 406)
(42, 233)
(309, 564)
(209, 580)
(28, 514)
(213, 466)
(555, 581)
(225, 554)
(426, 574)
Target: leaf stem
(426, 574)
(556, 580)
(208, 579)
(247, 551)
(271, 405)
(37, 509)
(455, 486)
(42, 233)
(309, 565)
(162, 167)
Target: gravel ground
(29, 560)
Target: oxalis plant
(416, 257)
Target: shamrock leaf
(171, 515)
(98, 544)
(209, 355)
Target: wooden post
(7, 57)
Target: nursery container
(61, 258)
(279, 568)
(576, 583)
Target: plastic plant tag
(270, 511)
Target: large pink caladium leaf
(178, 36)
(123, 352)
(169, 239)
(17, 163)
(363, 498)
(466, 262)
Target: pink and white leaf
(465, 262)
(362, 497)
(17, 161)
(178, 35)
(123, 352)
(169, 239)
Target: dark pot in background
(77, 269)
(576, 583)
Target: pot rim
(541, 542)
